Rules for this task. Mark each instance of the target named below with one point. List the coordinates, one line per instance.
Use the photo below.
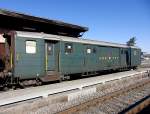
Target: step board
(51, 73)
(51, 76)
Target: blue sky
(108, 20)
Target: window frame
(27, 45)
(50, 52)
(88, 48)
(94, 50)
(66, 49)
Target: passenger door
(89, 58)
(124, 57)
(128, 57)
(50, 56)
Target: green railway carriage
(51, 57)
(44, 57)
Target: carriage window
(121, 51)
(135, 52)
(50, 49)
(88, 50)
(94, 50)
(31, 47)
(68, 48)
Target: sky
(108, 20)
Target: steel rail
(96, 101)
(137, 107)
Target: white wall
(2, 40)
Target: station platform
(46, 90)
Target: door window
(50, 49)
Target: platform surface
(43, 91)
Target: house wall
(2, 46)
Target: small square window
(121, 51)
(31, 47)
(135, 52)
(94, 50)
(88, 50)
(68, 48)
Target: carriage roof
(69, 39)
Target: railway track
(145, 64)
(130, 100)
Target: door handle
(17, 57)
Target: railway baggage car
(32, 57)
